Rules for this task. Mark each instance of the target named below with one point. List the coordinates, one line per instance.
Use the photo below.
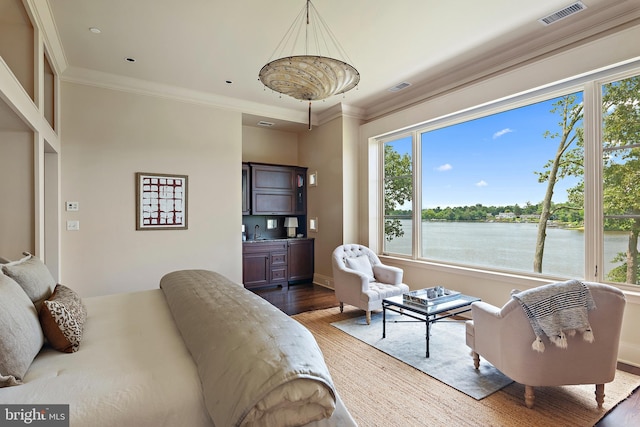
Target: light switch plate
(73, 225)
(72, 206)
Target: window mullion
(417, 196)
(593, 210)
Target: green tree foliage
(397, 190)
(621, 170)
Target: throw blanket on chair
(558, 308)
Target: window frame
(590, 84)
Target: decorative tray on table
(430, 296)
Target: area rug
(449, 358)
(380, 390)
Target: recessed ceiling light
(95, 30)
(130, 59)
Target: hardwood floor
(299, 298)
(308, 297)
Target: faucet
(256, 233)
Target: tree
(397, 189)
(621, 170)
(566, 162)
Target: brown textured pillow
(20, 334)
(34, 277)
(62, 317)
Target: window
(398, 194)
(506, 190)
(621, 179)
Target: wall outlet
(73, 225)
(72, 206)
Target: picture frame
(161, 201)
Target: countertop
(276, 239)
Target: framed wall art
(161, 201)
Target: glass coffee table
(435, 310)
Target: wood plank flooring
(307, 297)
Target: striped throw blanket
(556, 310)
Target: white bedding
(119, 375)
(132, 369)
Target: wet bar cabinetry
(276, 262)
(264, 263)
(277, 190)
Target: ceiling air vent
(564, 13)
(399, 86)
(266, 124)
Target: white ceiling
(190, 48)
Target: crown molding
(144, 87)
(615, 18)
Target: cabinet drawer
(279, 258)
(279, 274)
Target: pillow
(20, 333)
(33, 276)
(62, 317)
(362, 265)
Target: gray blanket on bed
(256, 364)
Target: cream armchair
(504, 337)
(361, 280)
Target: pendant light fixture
(314, 74)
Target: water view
(507, 246)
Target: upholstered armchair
(361, 280)
(505, 338)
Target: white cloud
(502, 132)
(444, 168)
(481, 183)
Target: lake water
(507, 245)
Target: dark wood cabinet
(300, 260)
(246, 189)
(278, 190)
(277, 262)
(264, 264)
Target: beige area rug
(380, 390)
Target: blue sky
(492, 160)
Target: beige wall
(264, 145)
(16, 193)
(321, 151)
(110, 135)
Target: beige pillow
(362, 265)
(20, 333)
(34, 277)
(62, 317)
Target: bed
(199, 351)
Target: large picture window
(506, 190)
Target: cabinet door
(301, 191)
(272, 178)
(301, 260)
(256, 269)
(266, 203)
(246, 190)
